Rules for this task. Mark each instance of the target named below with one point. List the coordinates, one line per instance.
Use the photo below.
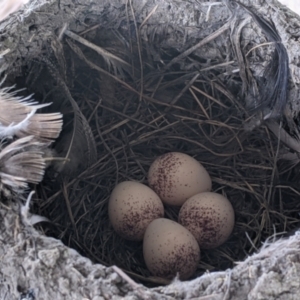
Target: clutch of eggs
(175, 177)
(205, 219)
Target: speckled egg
(169, 248)
(132, 207)
(209, 217)
(175, 177)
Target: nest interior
(136, 100)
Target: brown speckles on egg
(209, 217)
(170, 249)
(136, 207)
(176, 176)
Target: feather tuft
(18, 117)
(21, 162)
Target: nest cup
(140, 107)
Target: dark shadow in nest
(137, 113)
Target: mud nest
(143, 100)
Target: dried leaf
(8, 7)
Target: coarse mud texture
(40, 267)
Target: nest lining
(137, 113)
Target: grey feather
(81, 135)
